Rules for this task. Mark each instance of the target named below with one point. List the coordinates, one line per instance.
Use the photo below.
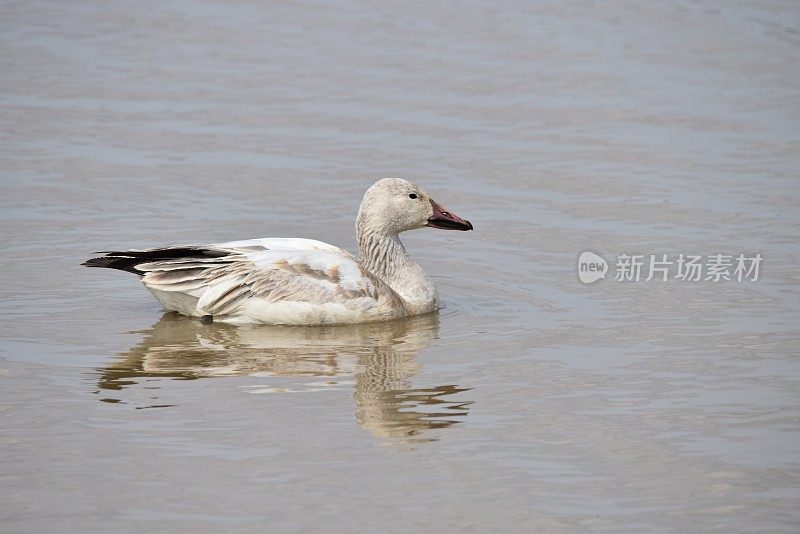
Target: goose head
(394, 205)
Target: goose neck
(385, 256)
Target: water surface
(531, 402)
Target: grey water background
(532, 402)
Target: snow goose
(301, 281)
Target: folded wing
(238, 277)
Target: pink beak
(446, 220)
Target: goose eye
(412, 195)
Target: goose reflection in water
(378, 357)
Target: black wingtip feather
(115, 262)
(128, 260)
